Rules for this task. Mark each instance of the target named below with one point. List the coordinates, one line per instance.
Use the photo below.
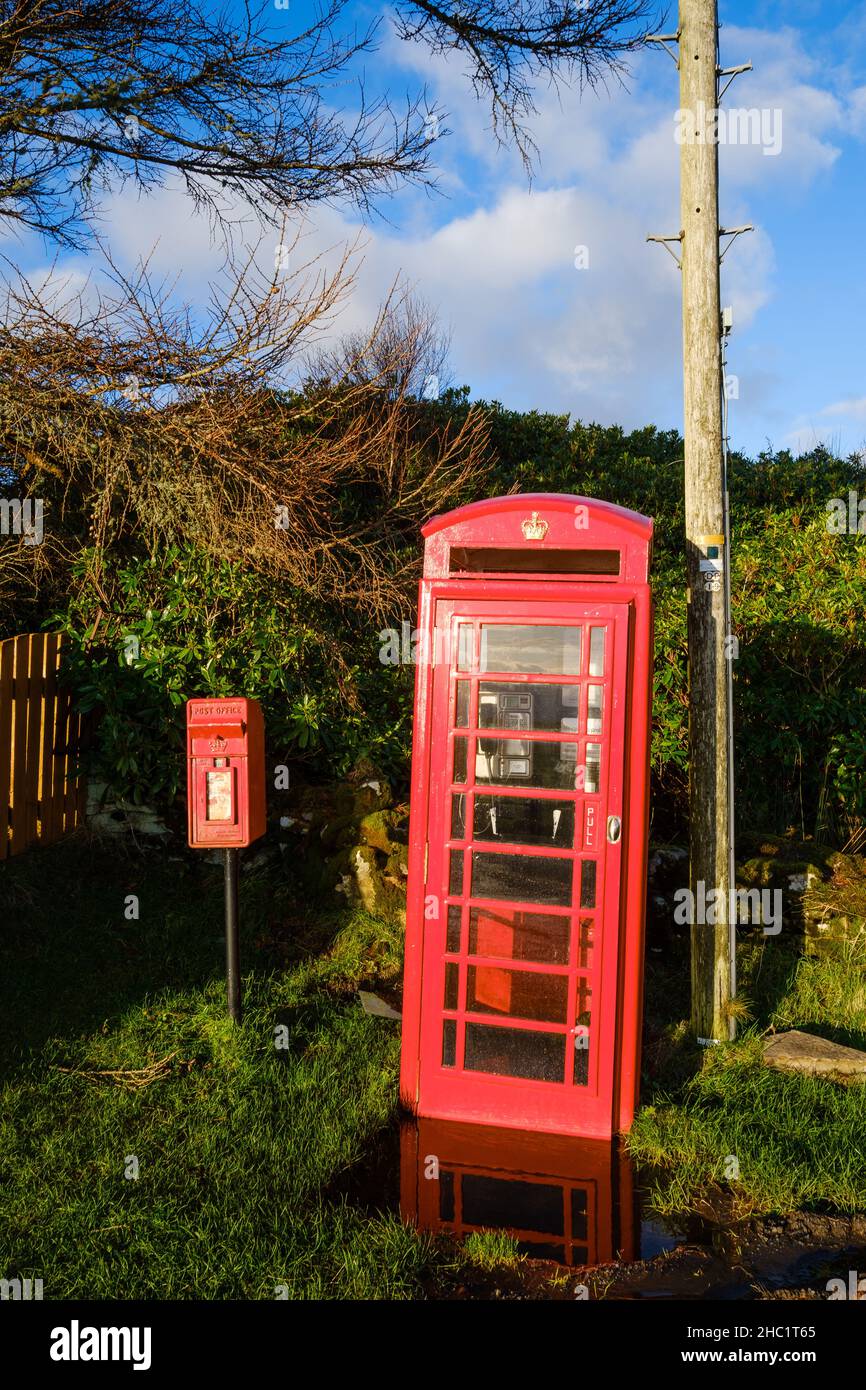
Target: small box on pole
(226, 800)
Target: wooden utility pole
(709, 862)
(711, 869)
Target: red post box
(225, 772)
(529, 816)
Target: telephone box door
(525, 835)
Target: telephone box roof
(552, 502)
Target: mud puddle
(578, 1213)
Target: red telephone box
(529, 816)
(225, 772)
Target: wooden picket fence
(41, 796)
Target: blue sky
(496, 258)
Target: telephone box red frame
(539, 565)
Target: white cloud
(498, 260)
(854, 408)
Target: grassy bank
(778, 1142)
(265, 1170)
(241, 1147)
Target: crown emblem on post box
(218, 744)
(534, 528)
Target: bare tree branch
(511, 45)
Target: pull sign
(614, 829)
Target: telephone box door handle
(614, 829)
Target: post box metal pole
(233, 965)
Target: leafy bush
(799, 592)
(204, 627)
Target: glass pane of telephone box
(522, 878)
(465, 634)
(523, 762)
(593, 767)
(452, 937)
(549, 651)
(547, 708)
(587, 883)
(449, 1042)
(596, 651)
(460, 762)
(517, 993)
(452, 984)
(513, 934)
(461, 714)
(523, 820)
(515, 1052)
(595, 709)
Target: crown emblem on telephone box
(534, 528)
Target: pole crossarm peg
(664, 40)
(730, 74)
(733, 233)
(663, 241)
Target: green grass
(778, 1142)
(268, 1172)
(243, 1149)
(490, 1250)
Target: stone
(377, 828)
(811, 1056)
(376, 1007)
(109, 815)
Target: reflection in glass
(461, 719)
(452, 937)
(584, 941)
(449, 1042)
(515, 1052)
(553, 651)
(516, 935)
(587, 883)
(496, 1202)
(523, 820)
(578, 1213)
(593, 767)
(460, 745)
(581, 1057)
(452, 980)
(594, 711)
(596, 651)
(464, 647)
(522, 878)
(519, 993)
(455, 875)
(446, 1195)
(562, 1198)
